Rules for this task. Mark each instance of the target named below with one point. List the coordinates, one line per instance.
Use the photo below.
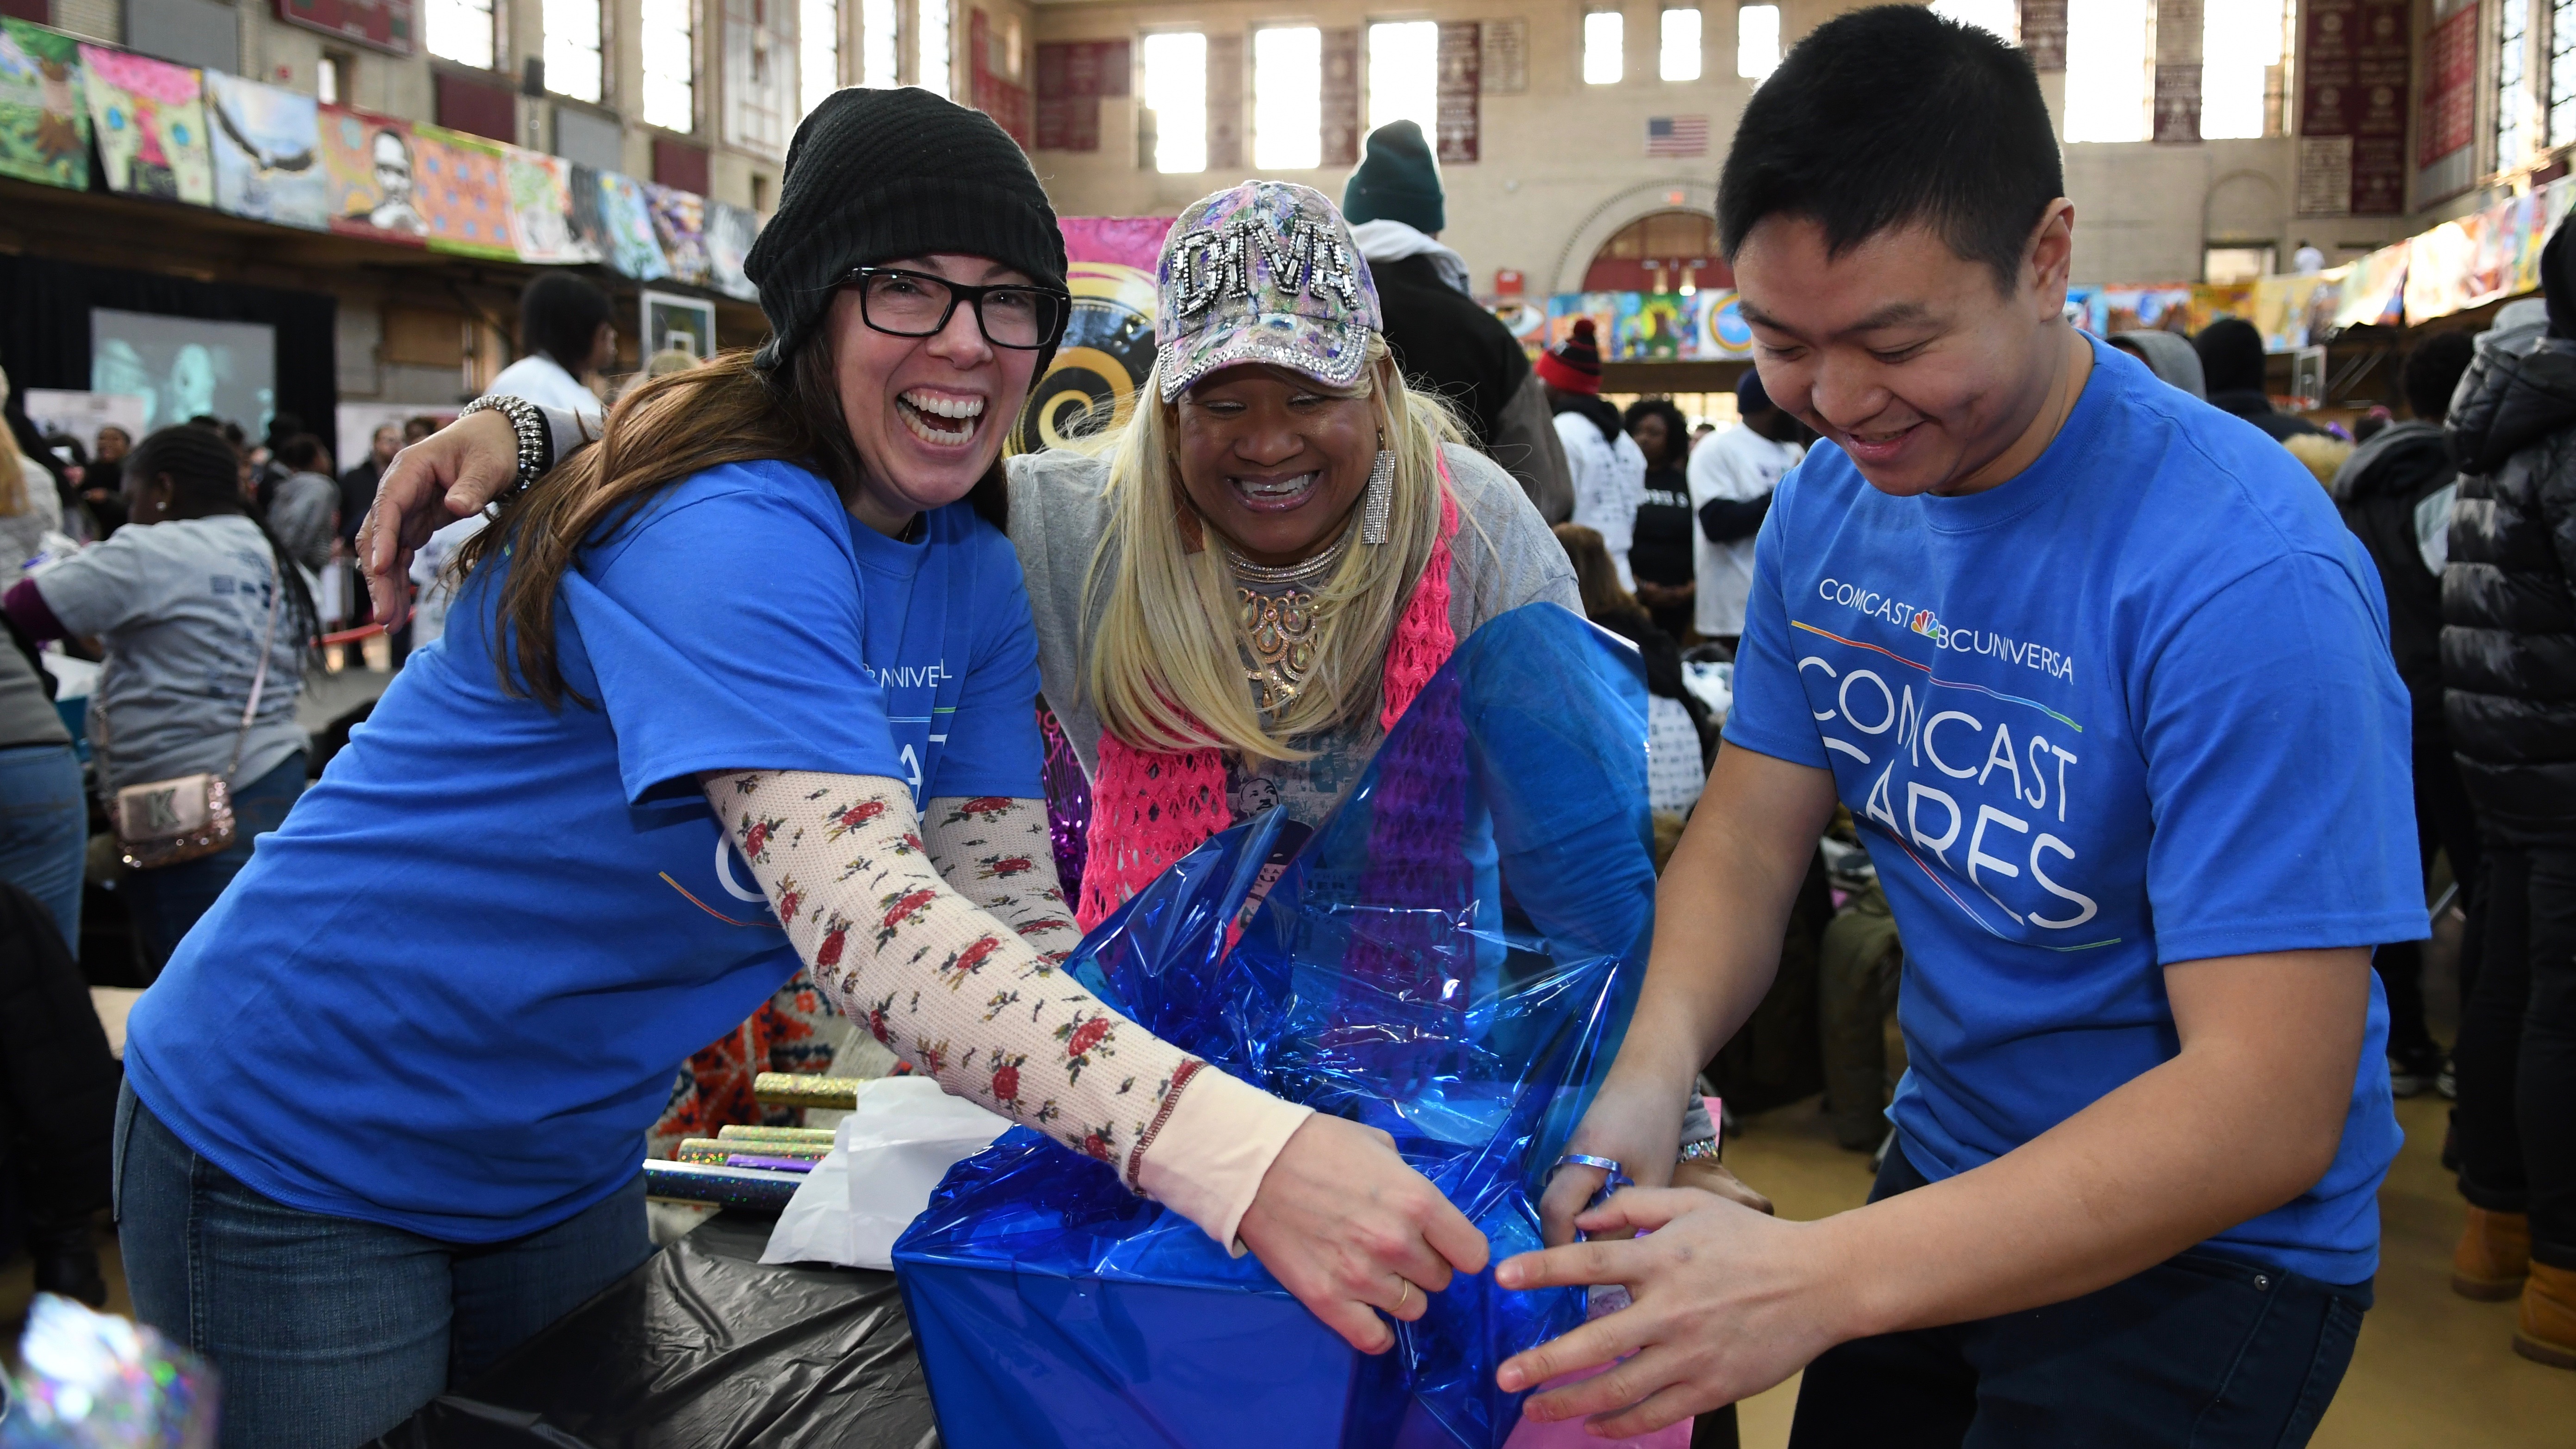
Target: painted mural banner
(680, 229)
(541, 210)
(44, 122)
(463, 197)
(371, 170)
(730, 232)
(149, 118)
(626, 227)
(1108, 347)
(267, 147)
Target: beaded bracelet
(536, 444)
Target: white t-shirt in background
(1609, 484)
(1738, 465)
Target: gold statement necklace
(1279, 622)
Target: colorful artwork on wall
(368, 162)
(541, 211)
(680, 227)
(267, 143)
(626, 227)
(149, 117)
(463, 197)
(730, 232)
(44, 123)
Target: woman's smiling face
(927, 414)
(1274, 459)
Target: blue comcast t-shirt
(449, 995)
(2131, 708)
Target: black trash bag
(704, 1347)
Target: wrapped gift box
(1451, 958)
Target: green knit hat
(1397, 181)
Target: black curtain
(44, 327)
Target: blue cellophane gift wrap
(1451, 957)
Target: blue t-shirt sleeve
(2277, 741)
(723, 631)
(1770, 714)
(993, 746)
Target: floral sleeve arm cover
(996, 852)
(986, 1014)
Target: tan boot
(2545, 1330)
(2493, 1256)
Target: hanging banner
(626, 228)
(2374, 289)
(1462, 69)
(1108, 347)
(2354, 58)
(44, 122)
(385, 25)
(730, 232)
(680, 229)
(541, 219)
(150, 120)
(463, 196)
(1341, 97)
(267, 150)
(2446, 122)
(2293, 311)
(368, 164)
(2438, 266)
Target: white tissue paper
(892, 1149)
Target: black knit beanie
(877, 175)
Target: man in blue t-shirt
(2107, 688)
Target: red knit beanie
(1575, 364)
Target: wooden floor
(2433, 1370)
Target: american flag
(1677, 136)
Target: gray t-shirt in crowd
(180, 608)
(27, 713)
(1502, 557)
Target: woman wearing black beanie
(746, 685)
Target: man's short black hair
(1890, 117)
(2433, 373)
(559, 315)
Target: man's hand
(1728, 1302)
(446, 476)
(1345, 1225)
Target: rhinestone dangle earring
(1380, 496)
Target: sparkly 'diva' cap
(1265, 272)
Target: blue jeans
(329, 1331)
(167, 901)
(2202, 1350)
(44, 830)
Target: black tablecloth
(703, 1347)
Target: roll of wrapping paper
(773, 1164)
(709, 1149)
(803, 1089)
(718, 1186)
(736, 1133)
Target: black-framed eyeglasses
(902, 303)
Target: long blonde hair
(13, 472)
(1166, 669)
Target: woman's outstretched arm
(1328, 1206)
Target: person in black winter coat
(1442, 337)
(2231, 367)
(2509, 703)
(2402, 473)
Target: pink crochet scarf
(1150, 808)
